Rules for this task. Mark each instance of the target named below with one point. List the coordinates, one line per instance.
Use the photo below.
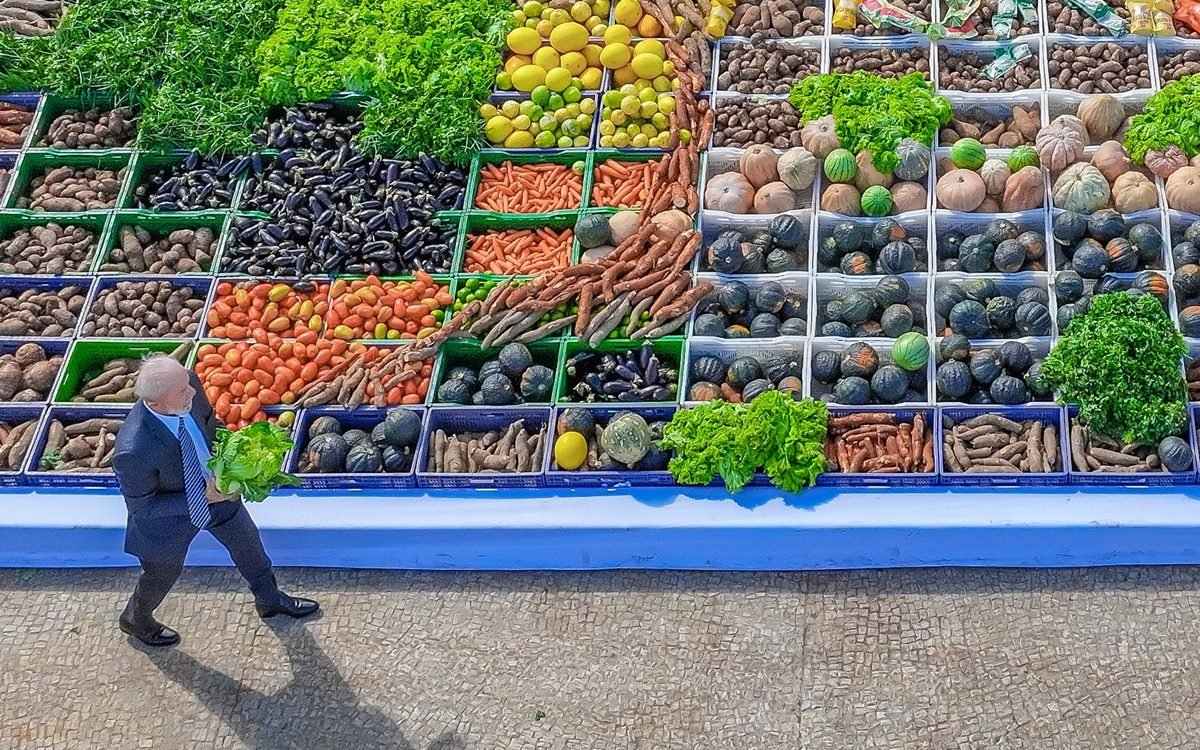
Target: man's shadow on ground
(316, 710)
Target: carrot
(623, 184)
(528, 188)
(512, 251)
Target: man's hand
(213, 495)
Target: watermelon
(840, 166)
(968, 153)
(1021, 157)
(876, 201)
(911, 351)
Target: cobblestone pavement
(1052, 660)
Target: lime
(555, 102)
(471, 283)
(587, 106)
(545, 139)
(535, 112)
(526, 106)
(685, 135)
(540, 95)
(534, 128)
(561, 114)
(504, 81)
(607, 127)
(631, 106)
(570, 94)
(613, 99)
(547, 122)
(647, 94)
(584, 122)
(533, 8)
(570, 450)
(581, 141)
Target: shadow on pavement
(316, 710)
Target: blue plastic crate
(475, 419)
(14, 415)
(556, 477)
(1135, 479)
(69, 415)
(363, 419)
(203, 284)
(29, 101)
(15, 285)
(1048, 414)
(912, 479)
(52, 347)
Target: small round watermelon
(876, 201)
(1021, 157)
(968, 153)
(911, 351)
(840, 166)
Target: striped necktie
(194, 481)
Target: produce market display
(585, 244)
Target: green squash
(626, 437)
(593, 231)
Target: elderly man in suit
(161, 463)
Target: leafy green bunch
(873, 113)
(426, 65)
(1170, 118)
(1120, 362)
(773, 432)
(249, 462)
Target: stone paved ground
(1051, 660)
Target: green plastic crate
(475, 222)
(98, 222)
(566, 158)
(160, 225)
(622, 155)
(33, 163)
(54, 105)
(669, 350)
(87, 357)
(455, 352)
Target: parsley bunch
(773, 432)
(1171, 118)
(1120, 362)
(873, 113)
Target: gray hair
(150, 384)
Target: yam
(28, 354)
(40, 376)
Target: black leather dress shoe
(156, 634)
(292, 606)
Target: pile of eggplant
(195, 184)
(319, 127)
(629, 377)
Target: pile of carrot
(241, 378)
(623, 184)
(373, 309)
(518, 251)
(528, 188)
(252, 309)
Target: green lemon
(555, 102)
(540, 95)
(613, 99)
(545, 139)
(504, 81)
(571, 95)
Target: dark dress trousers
(148, 463)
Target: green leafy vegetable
(1120, 362)
(873, 113)
(774, 432)
(249, 462)
(1170, 118)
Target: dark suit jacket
(149, 468)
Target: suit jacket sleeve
(138, 480)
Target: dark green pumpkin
(886, 231)
(1033, 294)
(737, 331)
(770, 297)
(970, 319)
(764, 326)
(326, 453)
(756, 388)
(1175, 454)
(356, 436)
(1009, 256)
(467, 374)
(704, 391)
(396, 460)
(1036, 382)
(954, 380)
(755, 259)
(946, 297)
(1148, 242)
(1105, 224)
(828, 252)
(853, 391)
(1152, 283)
(709, 325)
(794, 327)
(788, 232)
(794, 306)
(897, 257)
(868, 329)
(324, 426)
(999, 230)
(708, 368)
(836, 328)
(1107, 284)
(1035, 246)
(857, 264)
(1068, 285)
(896, 320)
(1067, 313)
(497, 390)
(725, 254)
(889, 384)
(981, 290)
(1016, 357)
(949, 243)
(1069, 228)
(1185, 253)
(780, 260)
(954, 346)
(514, 359)
(891, 290)
(1122, 257)
(1001, 312)
(734, 297)
(975, 255)
(856, 307)
(792, 385)
(826, 366)
(1089, 259)
(1187, 282)
(575, 419)
(848, 237)
(1189, 321)
(1033, 319)
(454, 391)
(741, 371)
(859, 359)
(364, 459)
(536, 384)
(1192, 233)
(834, 308)
(776, 367)
(1009, 391)
(403, 427)
(986, 366)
